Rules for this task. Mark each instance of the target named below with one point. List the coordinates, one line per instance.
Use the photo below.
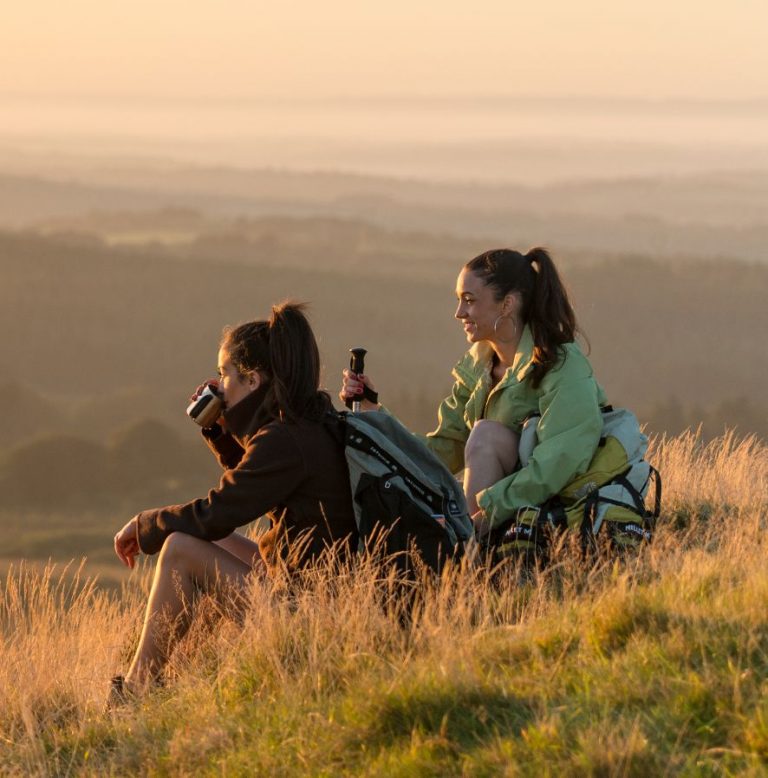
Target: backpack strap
(637, 498)
(360, 441)
(587, 528)
(654, 474)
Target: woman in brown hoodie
(279, 443)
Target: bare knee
(492, 439)
(179, 548)
(487, 434)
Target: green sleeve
(568, 433)
(448, 440)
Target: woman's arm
(270, 470)
(568, 432)
(226, 449)
(448, 440)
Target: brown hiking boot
(119, 694)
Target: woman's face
(478, 307)
(234, 386)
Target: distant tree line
(95, 339)
(143, 464)
(671, 417)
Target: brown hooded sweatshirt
(295, 471)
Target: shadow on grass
(464, 718)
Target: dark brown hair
(284, 351)
(545, 304)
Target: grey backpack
(607, 500)
(404, 497)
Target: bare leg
(489, 455)
(242, 547)
(184, 562)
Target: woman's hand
(352, 389)
(214, 382)
(482, 525)
(127, 543)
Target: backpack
(607, 502)
(404, 497)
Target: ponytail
(295, 362)
(545, 307)
(284, 350)
(550, 314)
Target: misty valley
(112, 306)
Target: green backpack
(607, 501)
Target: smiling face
(234, 386)
(478, 307)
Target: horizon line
(486, 98)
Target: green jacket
(568, 400)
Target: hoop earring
(496, 328)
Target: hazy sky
(643, 48)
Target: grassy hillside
(654, 666)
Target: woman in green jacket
(523, 361)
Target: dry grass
(728, 472)
(651, 666)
